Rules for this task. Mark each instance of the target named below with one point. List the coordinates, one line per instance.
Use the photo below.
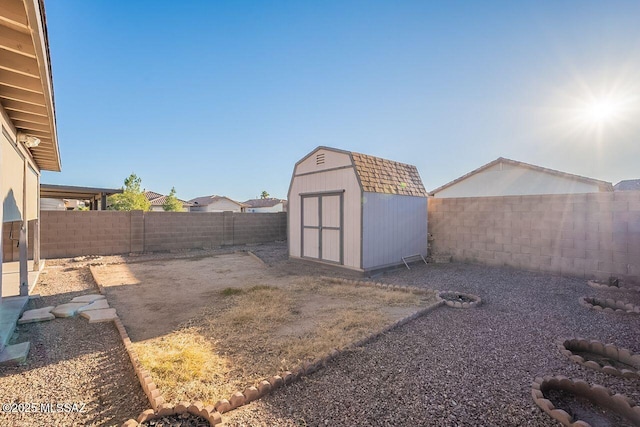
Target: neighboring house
(628, 185)
(265, 205)
(505, 177)
(48, 204)
(215, 204)
(157, 201)
(355, 210)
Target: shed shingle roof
(378, 175)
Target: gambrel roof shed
(356, 210)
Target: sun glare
(602, 111)
(599, 112)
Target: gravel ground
(71, 361)
(457, 367)
(449, 368)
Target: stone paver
(104, 315)
(68, 310)
(96, 305)
(88, 298)
(37, 315)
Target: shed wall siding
(393, 226)
(333, 180)
(332, 160)
(510, 180)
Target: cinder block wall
(67, 234)
(74, 233)
(585, 235)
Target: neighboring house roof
(264, 203)
(158, 199)
(208, 200)
(603, 185)
(26, 92)
(628, 185)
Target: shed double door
(322, 224)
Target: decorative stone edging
(209, 413)
(257, 258)
(212, 413)
(567, 347)
(446, 295)
(599, 285)
(609, 305)
(597, 394)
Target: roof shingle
(378, 175)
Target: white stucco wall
(16, 160)
(271, 209)
(510, 180)
(222, 205)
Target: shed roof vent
(319, 159)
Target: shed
(354, 210)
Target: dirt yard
(208, 326)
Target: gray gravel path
(457, 367)
(71, 361)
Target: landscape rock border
(442, 296)
(609, 305)
(599, 285)
(567, 345)
(212, 413)
(597, 394)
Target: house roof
(603, 185)
(208, 200)
(263, 203)
(26, 84)
(628, 185)
(158, 199)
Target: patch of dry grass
(184, 365)
(262, 330)
(336, 289)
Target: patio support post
(24, 271)
(36, 243)
(103, 201)
(22, 242)
(1, 229)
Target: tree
(264, 195)
(171, 203)
(132, 198)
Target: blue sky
(223, 97)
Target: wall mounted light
(28, 140)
